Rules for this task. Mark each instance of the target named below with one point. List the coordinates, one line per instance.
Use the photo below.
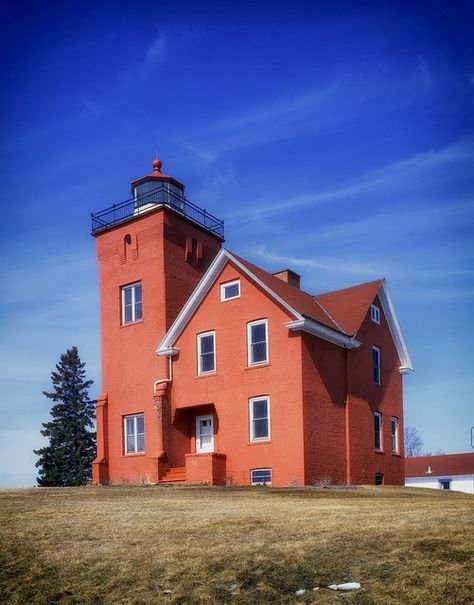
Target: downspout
(347, 419)
(170, 375)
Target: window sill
(380, 452)
(206, 375)
(254, 366)
(397, 454)
(259, 442)
(132, 455)
(131, 323)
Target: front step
(175, 475)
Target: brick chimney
(289, 276)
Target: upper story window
(394, 434)
(257, 338)
(261, 476)
(259, 418)
(375, 314)
(230, 290)
(132, 303)
(134, 433)
(378, 431)
(376, 365)
(206, 352)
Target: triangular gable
(300, 322)
(349, 308)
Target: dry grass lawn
(127, 545)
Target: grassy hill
(127, 545)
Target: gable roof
(349, 306)
(303, 302)
(450, 464)
(309, 313)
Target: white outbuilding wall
(460, 483)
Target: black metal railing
(162, 195)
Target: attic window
(230, 290)
(375, 314)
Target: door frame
(197, 425)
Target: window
(375, 314)
(257, 342)
(134, 429)
(230, 290)
(261, 476)
(259, 418)
(206, 353)
(394, 434)
(378, 431)
(378, 478)
(132, 303)
(445, 484)
(376, 365)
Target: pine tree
(67, 459)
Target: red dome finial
(157, 164)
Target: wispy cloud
(277, 120)
(398, 172)
(157, 50)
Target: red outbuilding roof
(450, 464)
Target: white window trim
(397, 444)
(225, 285)
(252, 482)
(199, 337)
(379, 357)
(132, 288)
(379, 415)
(135, 434)
(249, 343)
(251, 418)
(375, 314)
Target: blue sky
(336, 139)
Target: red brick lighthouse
(152, 251)
(216, 371)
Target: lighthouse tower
(152, 250)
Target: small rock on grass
(300, 592)
(345, 586)
(232, 587)
(167, 591)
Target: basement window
(230, 290)
(378, 478)
(261, 476)
(134, 433)
(445, 484)
(375, 314)
(132, 303)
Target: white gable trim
(313, 327)
(395, 330)
(300, 323)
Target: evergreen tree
(67, 460)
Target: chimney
(289, 276)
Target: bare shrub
(323, 481)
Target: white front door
(204, 434)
